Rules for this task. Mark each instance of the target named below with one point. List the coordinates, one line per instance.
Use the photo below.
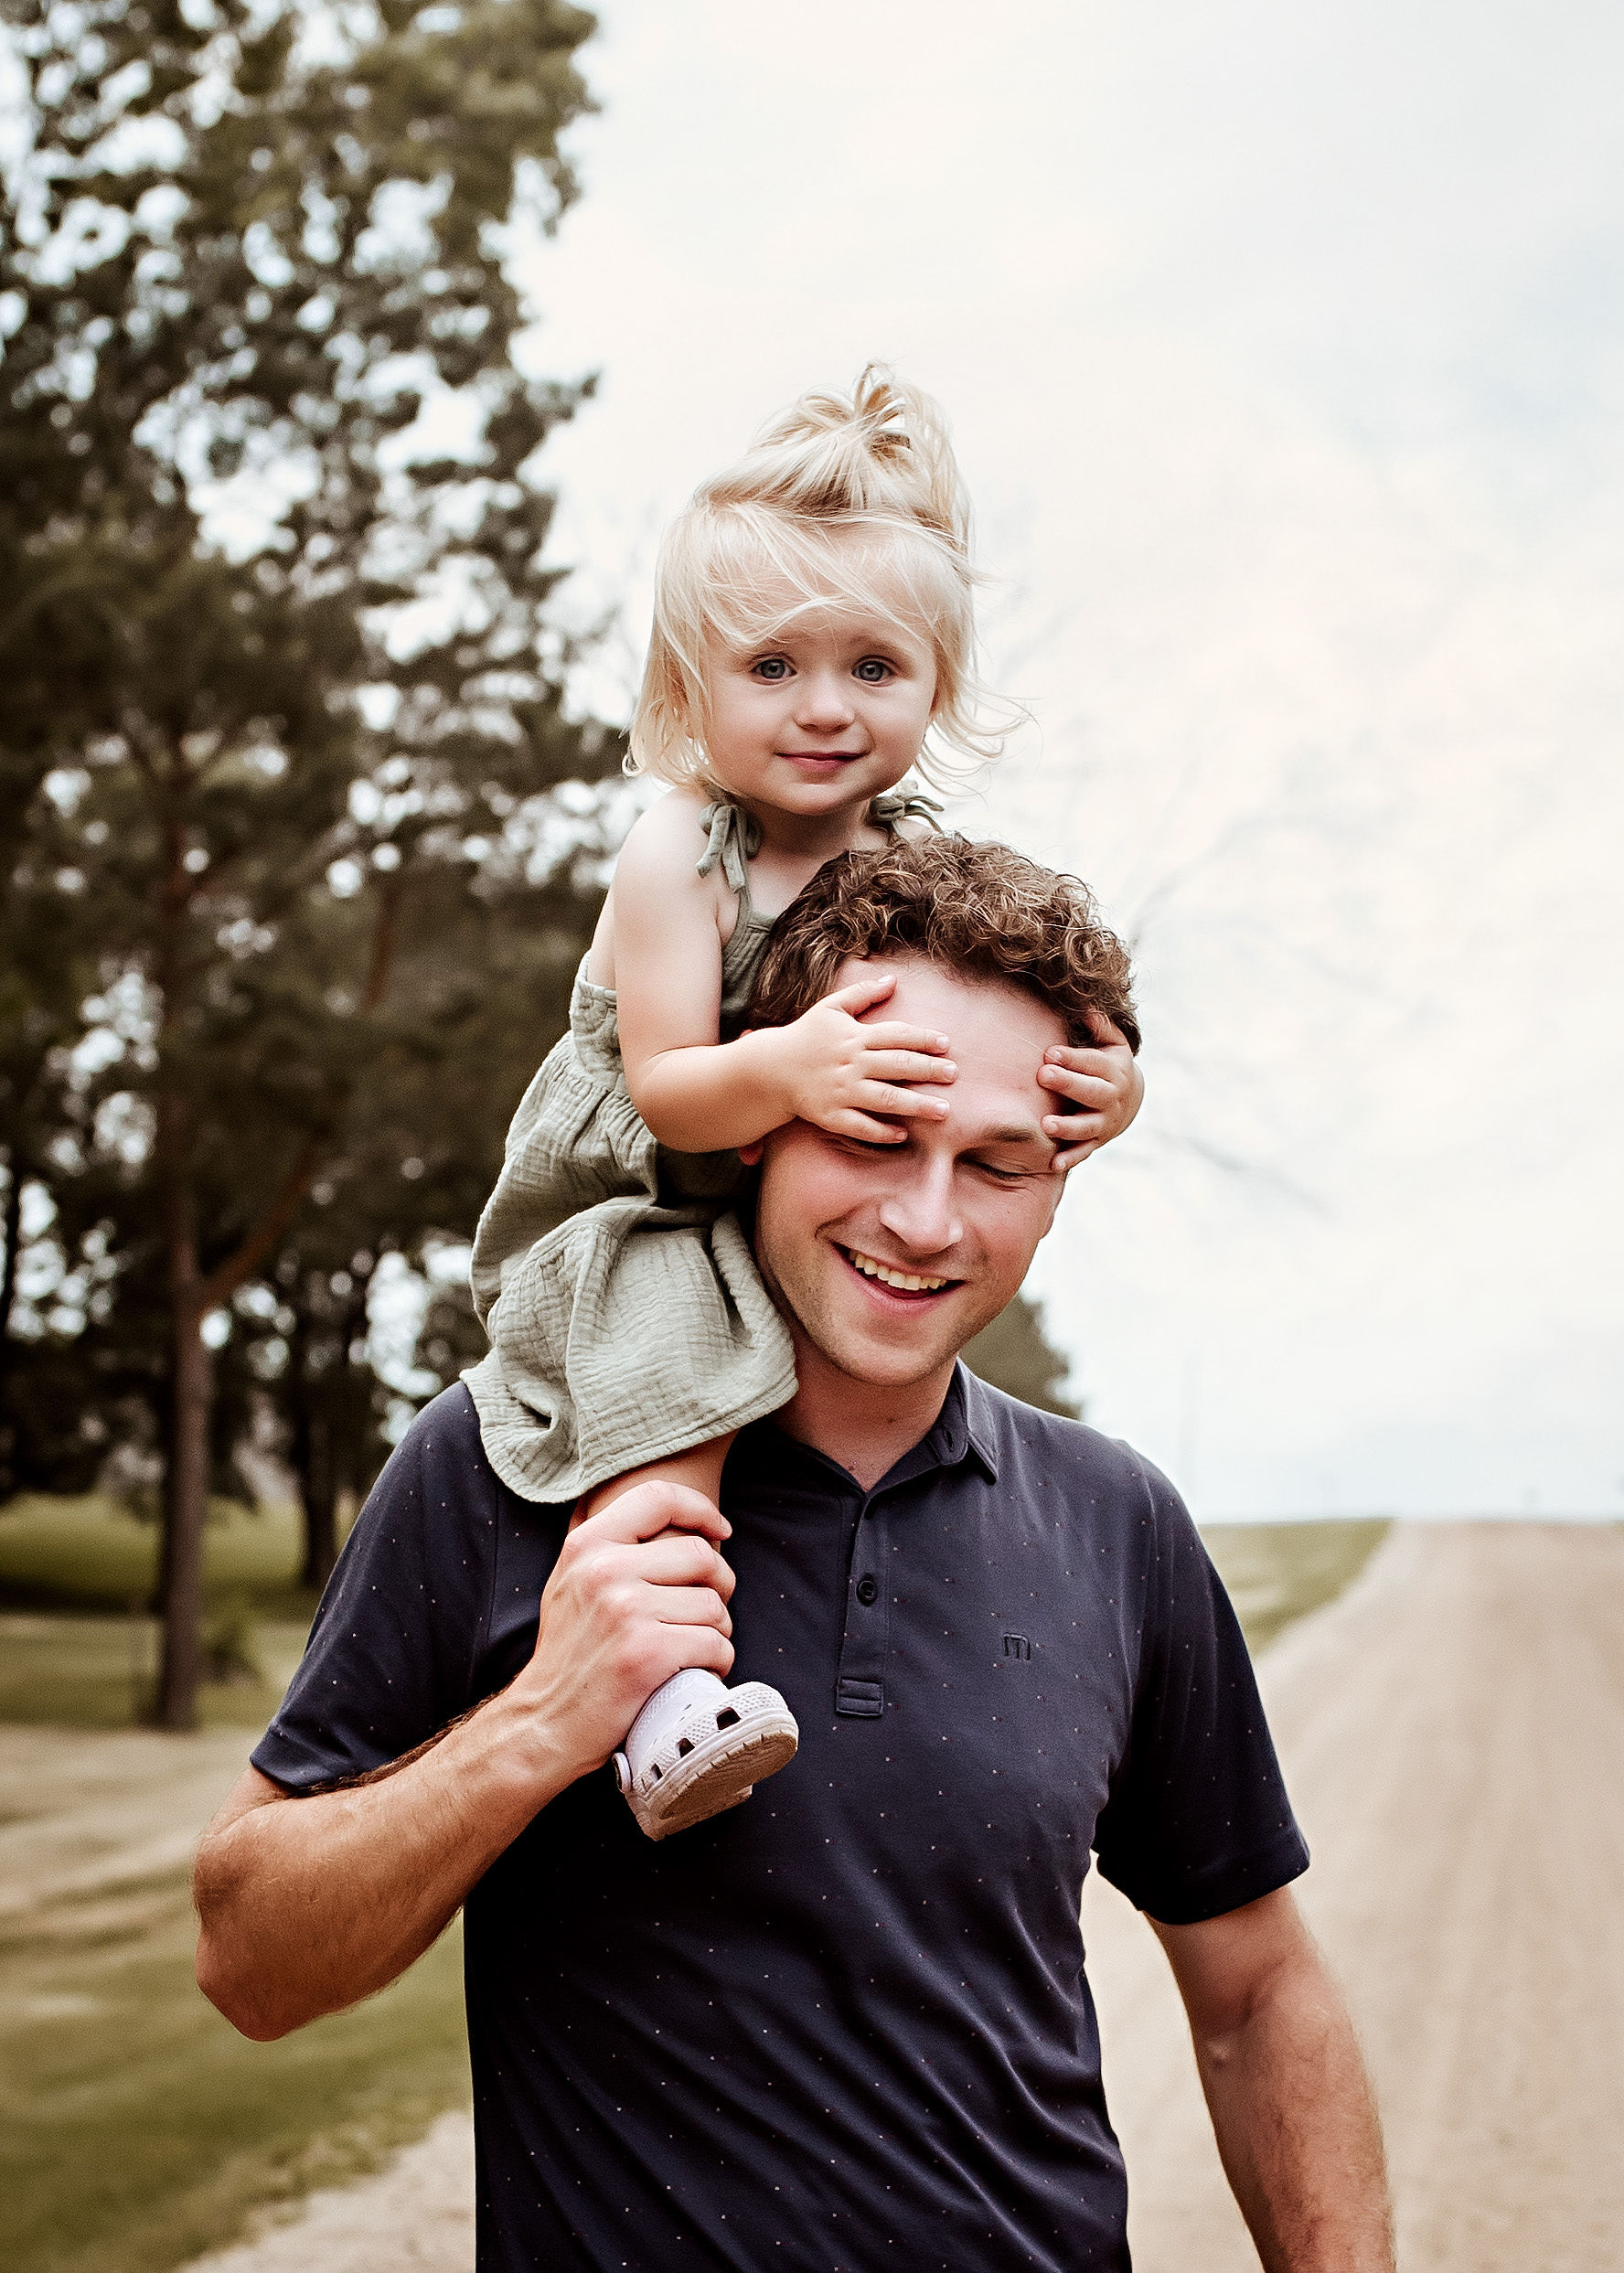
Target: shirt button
(868, 1592)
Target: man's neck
(865, 1427)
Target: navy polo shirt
(846, 2025)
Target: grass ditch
(91, 1554)
(79, 1644)
(139, 2129)
(1277, 1573)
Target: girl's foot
(698, 1746)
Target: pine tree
(246, 247)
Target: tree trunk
(12, 1234)
(318, 1488)
(185, 1482)
(186, 1478)
(185, 1504)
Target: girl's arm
(699, 1094)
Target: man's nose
(918, 1210)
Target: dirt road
(1453, 1731)
(139, 1803)
(1453, 1734)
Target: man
(845, 2024)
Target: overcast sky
(1284, 351)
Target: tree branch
(385, 932)
(223, 1281)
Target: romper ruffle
(627, 1318)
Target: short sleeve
(1197, 1823)
(392, 1654)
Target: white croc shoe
(698, 1746)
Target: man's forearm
(310, 1905)
(1297, 2130)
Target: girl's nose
(824, 700)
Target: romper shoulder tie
(733, 839)
(904, 805)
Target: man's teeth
(908, 1281)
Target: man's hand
(1291, 2104)
(1105, 1084)
(639, 1592)
(839, 1071)
(308, 1904)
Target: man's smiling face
(886, 1260)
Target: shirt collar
(963, 1429)
(979, 1424)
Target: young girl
(813, 642)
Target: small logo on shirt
(1016, 1646)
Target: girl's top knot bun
(883, 449)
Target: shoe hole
(683, 1747)
(727, 1718)
(656, 1770)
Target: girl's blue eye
(873, 669)
(773, 667)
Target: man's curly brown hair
(977, 908)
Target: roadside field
(91, 1554)
(63, 1671)
(79, 1646)
(1277, 1572)
(138, 2129)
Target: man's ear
(751, 1154)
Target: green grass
(137, 2129)
(89, 1554)
(59, 1671)
(69, 1568)
(1277, 1572)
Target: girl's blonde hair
(853, 501)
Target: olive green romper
(627, 1318)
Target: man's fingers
(690, 1606)
(686, 1645)
(683, 1559)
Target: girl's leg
(697, 1747)
(699, 1469)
